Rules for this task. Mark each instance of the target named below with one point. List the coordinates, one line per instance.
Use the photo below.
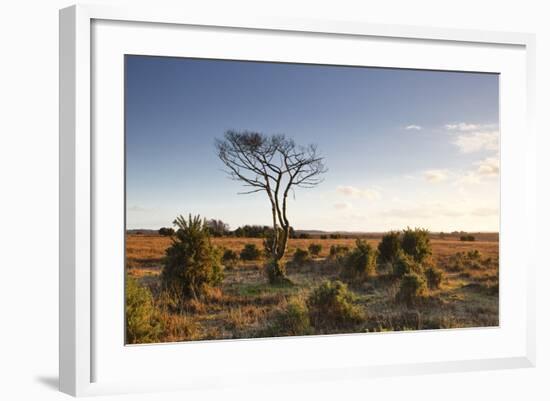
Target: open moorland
(336, 285)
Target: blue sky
(403, 147)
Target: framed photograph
(281, 200)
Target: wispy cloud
(436, 175)
(470, 138)
(477, 141)
(413, 127)
(354, 192)
(463, 127)
(488, 167)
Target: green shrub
(250, 252)
(416, 243)
(469, 260)
(230, 258)
(337, 251)
(434, 277)
(331, 306)
(300, 256)
(191, 263)
(474, 255)
(315, 249)
(404, 264)
(361, 261)
(293, 320)
(323, 236)
(487, 262)
(412, 287)
(142, 323)
(456, 262)
(389, 246)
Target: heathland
(352, 283)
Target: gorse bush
(315, 249)
(469, 260)
(405, 264)
(434, 277)
(250, 252)
(300, 256)
(412, 287)
(293, 320)
(331, 305)
(389, 247)
(361, 261)
(142, 321)
(191, 263)
(416, 243)
(337, 251)
(474, 255)
(230, 258)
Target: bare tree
(274, 165)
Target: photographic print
(272, 199)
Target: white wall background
(29, 196)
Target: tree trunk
(276, 270)
(275, 242)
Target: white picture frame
(80, 344)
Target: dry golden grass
(245, 304)
(144, 251)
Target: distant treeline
(218, 228)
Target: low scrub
(361, 261)
(338, 251)
(411, 289)
(331, 305)
(468, 260)
(433, 277)
(404, 264)
(230, 258)
(250, 252)
(300, 256)
(315, 249)
(142, 321)
(292, 320)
